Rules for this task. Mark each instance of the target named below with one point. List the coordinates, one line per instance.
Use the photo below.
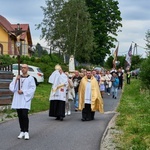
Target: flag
(115, 54)
(128, 56)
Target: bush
(145, 73)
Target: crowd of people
(85, 89)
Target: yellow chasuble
(96, 99)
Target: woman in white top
(102, 83)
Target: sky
(135, 20)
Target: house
(9, 37)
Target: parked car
(33, 71)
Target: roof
(10, 28)
(5, 23)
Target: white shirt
(88, 93)
(60, 93)
(27, 85)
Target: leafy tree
(148, 41)
(136, 62)
(73, 30)
(47, 25)
(67, 26)
(109, 64)
(106, 20)
(145, 73)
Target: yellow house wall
(4, 40)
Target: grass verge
(39, 103)
(134, 118)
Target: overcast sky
(135, 15)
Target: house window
(1, 49)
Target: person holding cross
(23, 88)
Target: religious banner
(128, 56)
(71, 64)
(115, 54)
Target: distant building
(8, 38)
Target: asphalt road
(46, 133)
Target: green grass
(40, 101)
(134, 118)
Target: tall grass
(134, 118)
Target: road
(46, 133)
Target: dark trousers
(23, 119)
(87, 113)
(57, 108)
(128, 80)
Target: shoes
(21, 135)
(57, 118)
(83, 119)
(61, 118)
(108, 93)
(26, 136)
(66, 114)
(69, 113)
(76, 109)
(113, 96)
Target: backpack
(116, 82)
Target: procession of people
(82, 90)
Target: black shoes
(83, 119)
(59, 118)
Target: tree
(52, 9)
(148, 41)
(72, 29)
(73, 26)
(106, 20)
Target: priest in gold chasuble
(90, 99)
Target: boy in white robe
(22, 99)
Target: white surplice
(59, 86)
(27, 85)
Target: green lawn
(40, 101)
(134, 118)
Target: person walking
(90, 99)
(22, 99)
(128, 76)
(108, 82)
(59, 81)
(115, 84)
(70, 95)
(76, 81)
(102, 84)
(120, 76)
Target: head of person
(88, 74)
(107, 72)
(58, 67)
(94, 72)
(24, 69)
(76, 73)
(114, 74)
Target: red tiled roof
(11, 28)
(5, 23)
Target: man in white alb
(23, 94)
